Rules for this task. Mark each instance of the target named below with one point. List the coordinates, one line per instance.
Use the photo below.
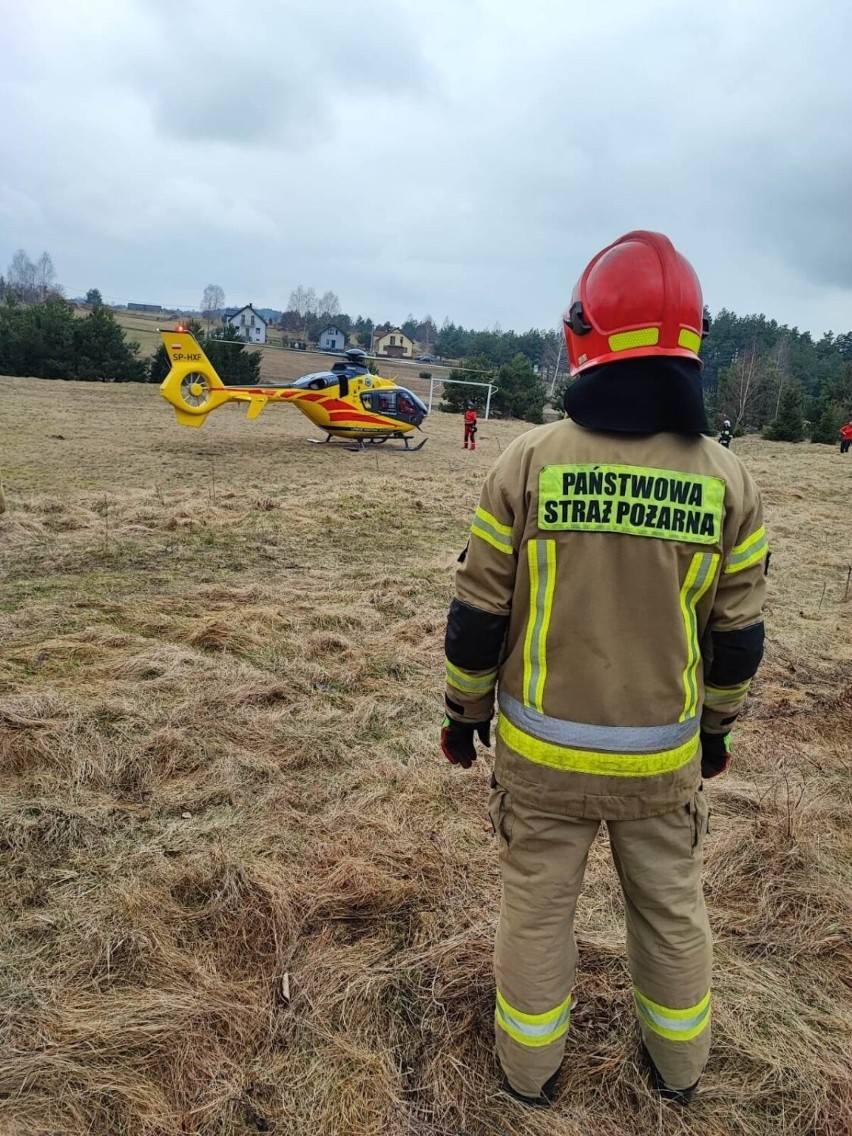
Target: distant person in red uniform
(845, 437)
(470, 426)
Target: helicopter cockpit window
(397, 403)
(380, 402)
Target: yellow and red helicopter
(347, 401)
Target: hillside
(241, 890)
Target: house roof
(247, 308)
(332, 327)
(394, 331)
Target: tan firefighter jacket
(611, 592)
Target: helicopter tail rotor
(192, 386)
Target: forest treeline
(47, 341)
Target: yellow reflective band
(469, 683)
(589, 761)
(534, 1030)
(489, 529)
(750, 552)
(699, 577)
(755, 558)
(722, 695)
(542, 565)
(674, 1025)
(757, 535)
(626, 340)
(689, 340)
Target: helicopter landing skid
(361, 445)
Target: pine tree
(473, 370)
(226, 350)
(103, 351)
(789, 424)
(159, 365)
(827, 423)
(520, 393)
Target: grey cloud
(460, 157)
(272, 74)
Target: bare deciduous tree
(742, 385)
(304, 302)
(329, 304)
(31, 281)
(212, 302)
(45, 276)
(21, 276)
(427, 332)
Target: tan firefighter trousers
(658, 860)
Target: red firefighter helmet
(637, 297)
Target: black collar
(640, 396)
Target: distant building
(332, 339)
(250, 324)
(394, 343)
(153, 309)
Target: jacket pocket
(698, 812)
(501, 815)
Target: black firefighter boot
(544, 1098)
(676, 1096)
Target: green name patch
(664, 503)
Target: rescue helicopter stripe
(699, 577)
(534, 1030)
(542, 563)
(470, 683)
(583, 735)
(675, 1025)
(335, 407)
(354, 416)
(750, 552)
(588, 761)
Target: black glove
(715, 754)
(457, 740)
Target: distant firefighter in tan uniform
(611, 594)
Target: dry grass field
(240, 889)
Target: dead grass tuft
(222, 635)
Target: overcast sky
(455, 157)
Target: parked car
(425, 358)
